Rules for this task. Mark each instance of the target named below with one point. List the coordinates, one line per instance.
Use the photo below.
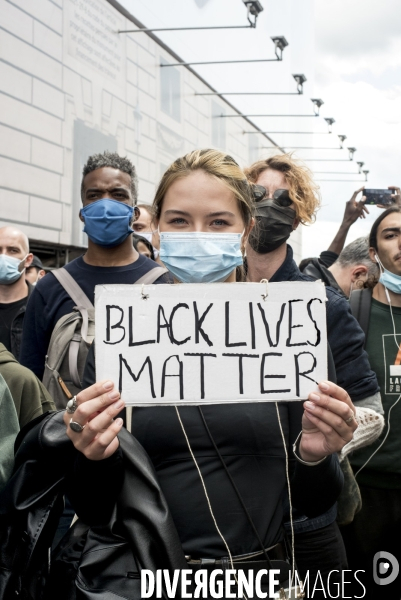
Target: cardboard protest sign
(211, 343)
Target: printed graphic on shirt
(392, 371)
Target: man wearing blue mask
(109, 196)
(14, 290)
(377, 527)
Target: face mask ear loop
(21, 261)
(379, 262)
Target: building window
(218, 126)
(170, 91)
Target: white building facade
(70, 86)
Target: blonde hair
(216, 164)
(302, 189)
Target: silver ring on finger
(350, 419)
(77, 427)
(72, 405)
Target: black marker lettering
(253, 340)
(240, 367)
(228, 343)
(172, 338)
(131, 333)
(136, 377)
(160, 313)
(179, 375)
(118, 325)
(263, 376)
(202, 369)
(299, 373)
(199, 323)
(318, 335)
(291, 326)
(278, 325)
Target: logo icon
(385, 568)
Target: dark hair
(115, 161)
(138, 238)
(375, 226)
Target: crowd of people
(92, 492)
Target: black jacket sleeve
(92, 487)
(327, 257)
(316, 488)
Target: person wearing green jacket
(9, 428)
(30, 396)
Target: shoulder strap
(75, 292)
(152, 275)
(360, 302)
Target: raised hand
(93, 427)
(328, 422)
(355, 209)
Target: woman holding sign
(221, 468)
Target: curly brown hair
(303, 190)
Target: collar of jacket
(318, 270)
(288, 271)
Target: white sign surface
(211, 343)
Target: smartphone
(378, 196)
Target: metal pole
(267, 116)
(328, 159)
(345, 180)
(296, 132)
(247, 93)
(221, 62)
(184, 28)
(310, 148)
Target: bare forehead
(200, 183)
(272, 178)
(106, 177)
(392, 221)
(13, 237)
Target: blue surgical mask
(390, 280)
(200, 257)
(9, 269)
(107, 221)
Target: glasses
(282, 197)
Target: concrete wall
(70, 86)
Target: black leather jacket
(101, 562)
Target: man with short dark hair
(109, 193)
(35, 271)
(377, 527)
(14, 290)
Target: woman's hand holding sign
(96, 427)
(328, 422)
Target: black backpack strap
(360, 302)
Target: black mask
(274, 224)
